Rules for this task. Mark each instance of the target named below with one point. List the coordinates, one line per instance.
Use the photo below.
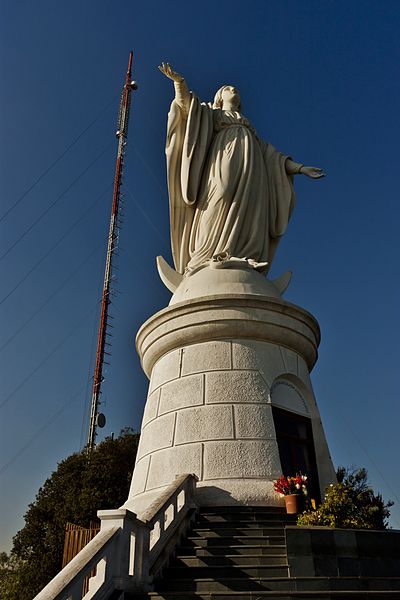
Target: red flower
(291, 485)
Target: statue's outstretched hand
(166, 69)
(313, 172)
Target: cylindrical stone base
(217, 365)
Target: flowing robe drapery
(229, 191)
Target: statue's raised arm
(231, 194)
(182, 94)
(167, 70)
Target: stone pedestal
(217, 364)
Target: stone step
(231, 571)
(268, 595)
(222, 510)
(182, 560)
(236, 540)
(239, 553)
(239, 550)
(258, 584)
(232, 520)
(250, 531)
(246, 517)
(202, 524)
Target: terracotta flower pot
(294, 503)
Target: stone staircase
(240, 553)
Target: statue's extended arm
(182, 94)
(294, 168)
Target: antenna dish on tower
(100, 420)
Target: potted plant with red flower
(294, 490)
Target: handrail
(128, 553)
(81, 565)
(160, 504)
(171, 519)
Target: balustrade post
(190, 491)
(175, 505)
(117, 568)
(141, 565)
(161, 522)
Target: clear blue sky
(319, 80)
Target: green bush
(74, 492)
(349, 504)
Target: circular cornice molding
(228, 317)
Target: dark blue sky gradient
(319, 80)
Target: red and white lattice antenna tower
(97, 419)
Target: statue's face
(230, 97)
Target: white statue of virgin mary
(231, 194)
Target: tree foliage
(81, 485)
(349, 504)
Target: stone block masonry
(209, 408)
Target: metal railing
(128, 553)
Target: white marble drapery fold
(229, 191)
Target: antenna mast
(97, 419)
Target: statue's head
(228, 95)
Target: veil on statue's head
(218, 98)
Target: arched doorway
(294, 434)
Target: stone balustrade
(128, 553)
